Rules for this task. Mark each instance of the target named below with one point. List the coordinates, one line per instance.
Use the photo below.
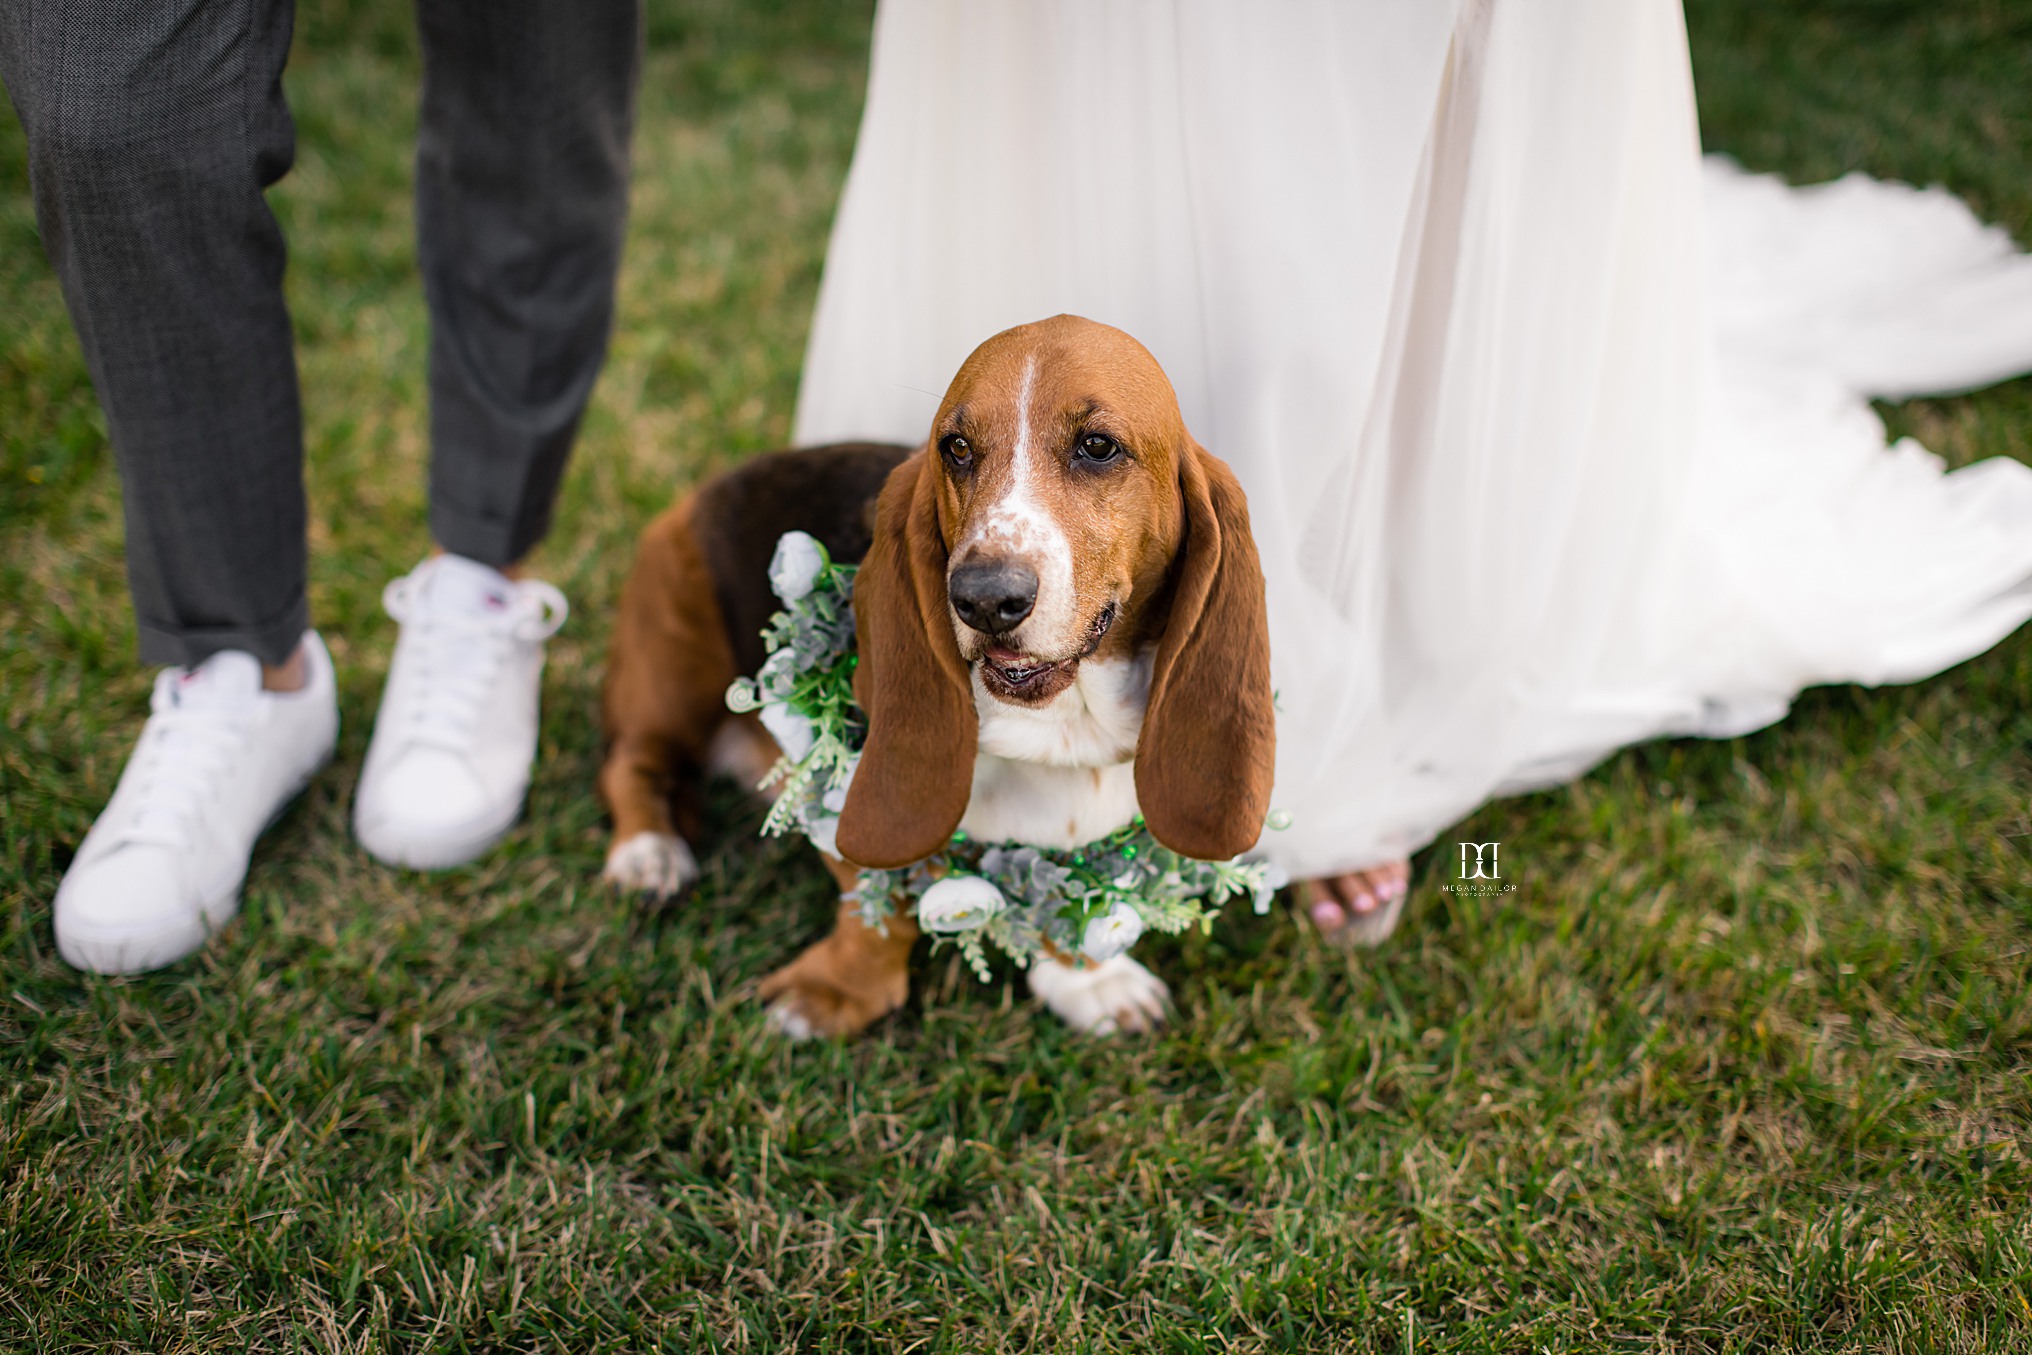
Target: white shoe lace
(452, 656)
(177, 764)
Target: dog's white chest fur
(1061, 774)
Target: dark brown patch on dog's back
(827, 491)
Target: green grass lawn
(1741, 1065)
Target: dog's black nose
(993, 597)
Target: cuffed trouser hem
(272, 642)
(480, 536)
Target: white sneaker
(217, 762)
(449, 762)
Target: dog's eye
(956, 450)
(1097, 450)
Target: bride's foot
(1361, 907)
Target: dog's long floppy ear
(917, 767)
(1208, 749)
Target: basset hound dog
(1060, 620)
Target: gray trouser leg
(153, 128)
(521, 205)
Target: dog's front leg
(663, 704)
(851, 979)
(1115, 996)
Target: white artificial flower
(796, 565)
(792, 732)
(1275, 877)
(1112, 933)
(824, 832)
(741, 696)
(959, 903)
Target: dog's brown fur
(1168, 535)
(692, 613)
(1162, 540)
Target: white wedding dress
(1555, 437)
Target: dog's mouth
(1012, 674)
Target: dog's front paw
(657, 864)
(1112, 996)
(821, 993)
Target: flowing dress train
(1555, 436)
